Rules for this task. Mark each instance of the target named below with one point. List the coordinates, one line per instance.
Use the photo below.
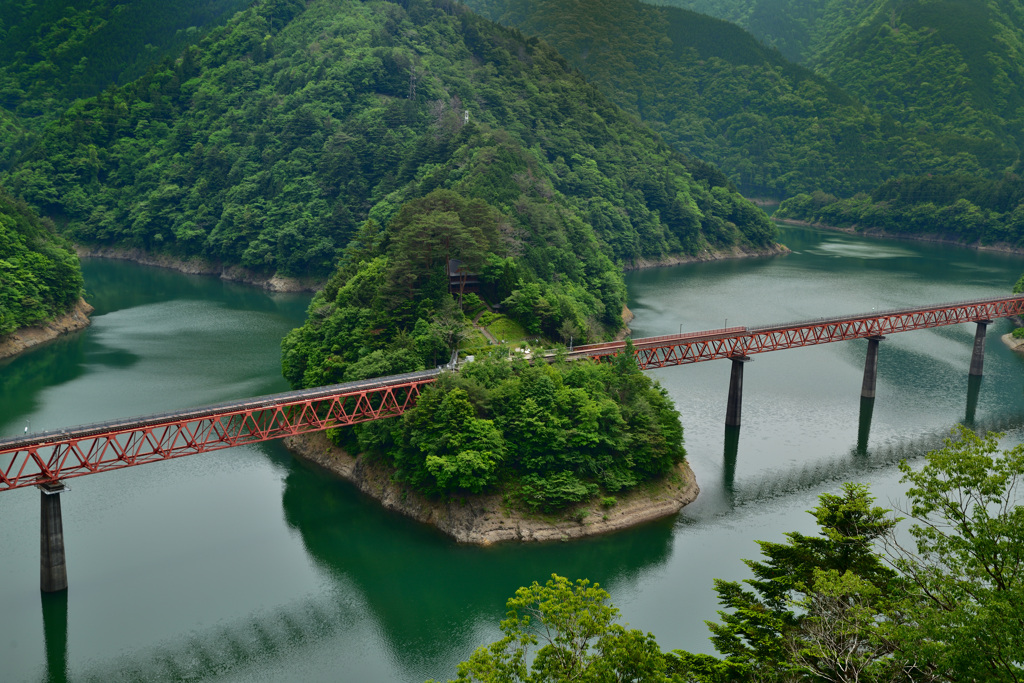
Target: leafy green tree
(965, 573)
(578, 637)
(445, 447)
(778, 627)
(40, 277)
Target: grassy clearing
(474, 339)
(503, 329)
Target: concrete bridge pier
(978, 357)
(867, 388)
(53, 573)
(735, 407)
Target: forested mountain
(39, 275)
(52, 51)
(950, 70)
(13, 138)
(953, 69)
(794, 27)
(270, 142)
(716, 93)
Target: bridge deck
(47, 457)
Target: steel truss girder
(57, 459)
(103, 450)
(673, 350)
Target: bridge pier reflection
(978, 357)
(55, 635)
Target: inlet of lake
(246, 564)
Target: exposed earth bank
(708, 255)
(279, 283)
(198, 266)
(27, 337)
(1014, 343)
(483, 519)
(879, 232)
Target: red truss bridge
(737, 342)
(46, 458)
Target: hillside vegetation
(953, 70)
(958, 207)
(39, 274)
(547, 436)
(951, 73)
(793, 27)
(716, 93)
(52, 51)
(273, 140)
(13, 138)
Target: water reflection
(426, 606)
(24, 377)
(118, 285)
(239, 648)
(55, 635)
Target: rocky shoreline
(898, 236)
(1014, 343)
(736, 252)
(199, 266)
(484, 519)
(279, 283)
(27, 337)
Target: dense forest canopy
(794, 27)
(949, 73)
(271, 141)
(13, 138)
(53, 51)
(954, 70)
(716, 93)
(39, 274)
(548, 436)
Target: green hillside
(273, 140)
(39, 275)
(953, 70)
(52, 51)
(716, 93)
(13, 138)
(793, 27)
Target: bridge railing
(885, 313)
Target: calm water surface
(247, 565)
